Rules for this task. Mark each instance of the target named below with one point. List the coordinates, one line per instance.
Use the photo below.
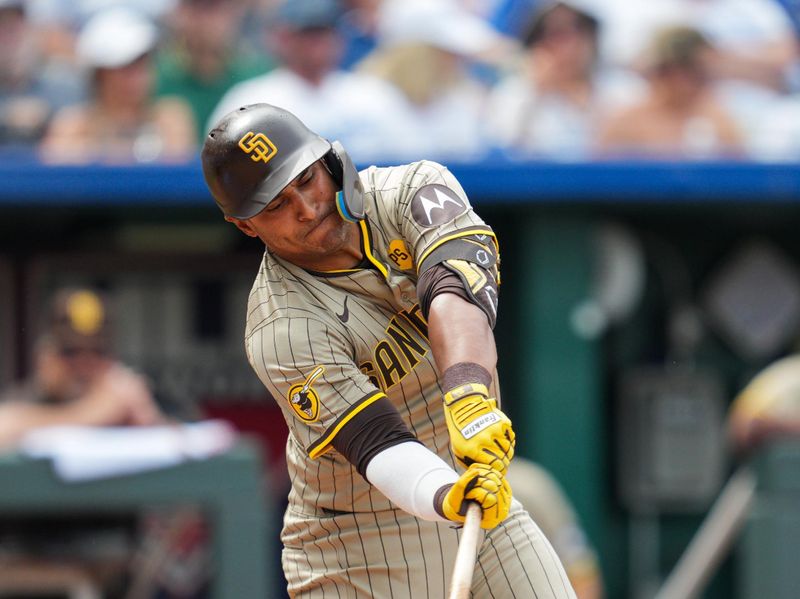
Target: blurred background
(639, 161)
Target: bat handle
(461, 581)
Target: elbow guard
(466, 266)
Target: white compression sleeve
(409, 474)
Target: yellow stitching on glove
(483, 485)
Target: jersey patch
(399, 254)
(478, 248)
(303, 399)
(435, 205)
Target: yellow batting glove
(485, 486)
(479, 431)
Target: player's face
(302, 225)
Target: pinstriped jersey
(326, 345)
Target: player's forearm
(460, 332)
(410, 475)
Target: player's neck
(349, 254)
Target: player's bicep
(468, 266)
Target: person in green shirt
(207, 54)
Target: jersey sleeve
(308, 368)
(432, 208)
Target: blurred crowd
(121, 81)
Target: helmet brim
(277, 181)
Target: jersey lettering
(411, 349)
(388, 366)
(368, 368)
(414, 316)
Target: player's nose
(305, 207)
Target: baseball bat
(461, 582)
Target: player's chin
(328, 231)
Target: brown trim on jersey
(456, 235)
(323, 444)
(436, 280)
(372, 430)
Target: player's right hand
(485, 486)
(479, 431)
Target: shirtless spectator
(76, 379)
(679, 115)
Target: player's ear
(242, 225)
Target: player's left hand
(483, 485)
(479, 431)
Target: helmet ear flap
(350, 197)
(334, 166)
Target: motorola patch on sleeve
(436, 204)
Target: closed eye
(302, 179)
(305, 176)
(275, 204)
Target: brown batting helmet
(254, 152)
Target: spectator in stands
(426, 49)
(123, 122)
(31, 89)
(547, 503)
(367, 115)
(753, 39)
(755, 57)
(679, 115)
(76, 378)
(775, 133)
(58, 21)
(78, 381)
(359, 29)
(551, 104)
(205, 57)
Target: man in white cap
(122, 122)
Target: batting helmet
(256, 151)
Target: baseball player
(370, 324)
